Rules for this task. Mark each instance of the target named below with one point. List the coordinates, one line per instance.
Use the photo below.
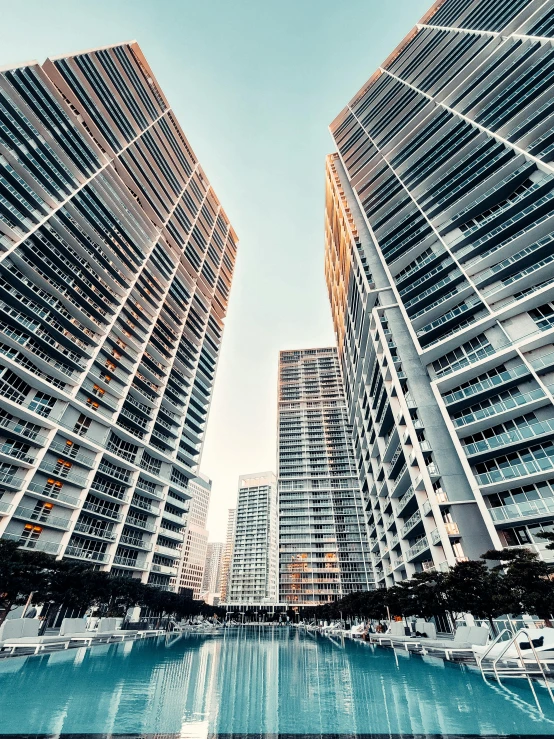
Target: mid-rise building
(323, 544)
(193, 559)
(439, 222)
(116, 260)
(253, 576)
(228, 552)
(211, 582)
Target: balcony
(523, 433)
(175, 519)
(452, 528)
(404, 500)
(145, 506)
(170, 534)
(8, 480)
(128, 562)
(139, 524)
(133, 541)
(500, 407)
(88, 554)
(411, 523)
(40, 490)
(18, 428)
(46, 519)
(61, 473)
(8, 450)
(106, 491)
(96, 531)
(167, 551)
(102, 511)
(67, 450)
(164, 569)
(39, 545)
(531, 509)
(421, 546)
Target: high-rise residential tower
(439, 221)
(228, 552)
(211, 582)
(253, 576)
(323, 544)
(116, 261)
(193, 557)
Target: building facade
(115, 267)
(253, 576)
(439, 221)
(228, 553)
(211, 582)
(193, 559)
(323, 544)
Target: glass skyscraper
(115, 269)
(323, 544)
(440, 268)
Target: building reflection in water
(254, 681)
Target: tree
(526, 583)
(471, 587)
(21, 573)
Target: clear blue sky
(255, 84)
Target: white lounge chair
(541, 644)
(108, 627)
(72, 628)
(31, 639)
(463, 643)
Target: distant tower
(193, 561)
(323, 544)
(228, 553)
(211, 582)
(254, 567)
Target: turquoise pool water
(257, 681)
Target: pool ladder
(526, 668)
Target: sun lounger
(38, 643)
(465, 638)
(15, 628)
(530, 642)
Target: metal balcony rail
(85, 528)
(10, 451)
(530, 508)
(503, 405)
(126, 561)
(52, 493)
(63, 473)
(411, 522)
(101, 510)
(489, 382)
(73, 551)
(29, 514)
(68, 451)
(40, 545)
(508, 437)
(19, 427)
(420, 546)
(135, 542)
(521, 469)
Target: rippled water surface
(257, 681)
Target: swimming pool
(257, 681)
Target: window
(82, 425)
(42, 404)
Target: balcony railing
(67, 451)
(127, 562)
(39, 545)
(52, 493)
(503, 405)
(102, 511)
(29, 514)
(521, 469)
(411, 522)
(19, 428)
(92, 530)
(529, 509)
(418, 547)
(509, 437)
(80, 553)
(135, 542)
